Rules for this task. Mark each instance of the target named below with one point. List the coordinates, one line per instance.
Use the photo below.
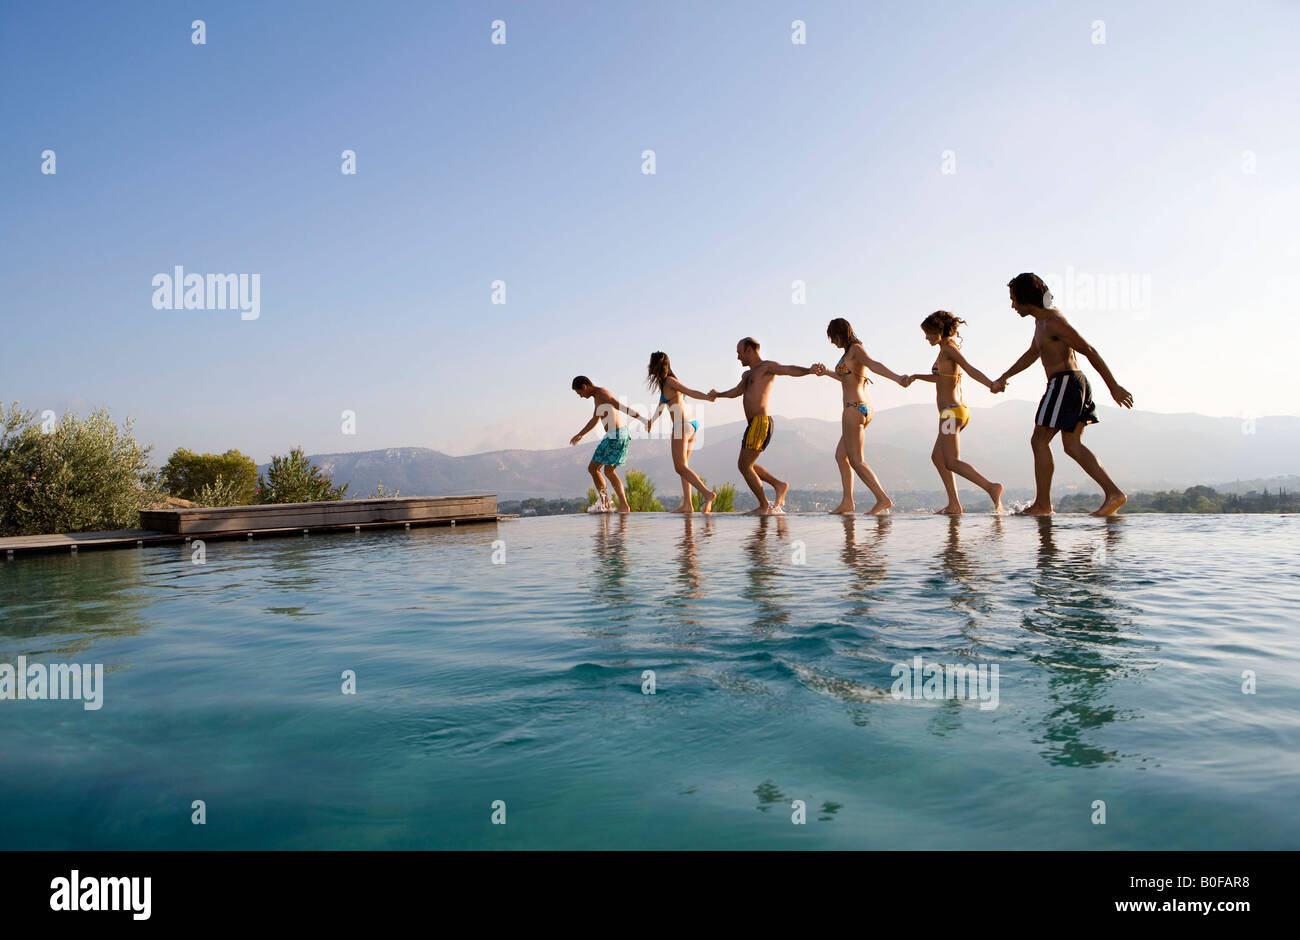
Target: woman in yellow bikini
(940, 330)
(851, 373)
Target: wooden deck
(181, 525)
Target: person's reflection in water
(967, 573)
(1084, 625)
(862, 555)
(611, 567)
(680, 608)
(767, 558)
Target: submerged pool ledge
(162, 526)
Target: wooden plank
(316, 515)
(179, 525)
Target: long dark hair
(943, 323)
(841, 334)
(659, 371)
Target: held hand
(999, 385)
(648, 424)
(574, 440)
(1122, 396)
(713, 394)
(906, 380)
(818, 369)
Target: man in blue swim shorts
(611, 452)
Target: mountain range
(1141, 450)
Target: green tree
(78, 475)
(186, 474)
(295, 479)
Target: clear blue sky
(775, 162)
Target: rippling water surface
(1120, 644)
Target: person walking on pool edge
(611, 452)
(1067, 404)
(672, 395)
(755, 385)
(941, 329)
(851, 373)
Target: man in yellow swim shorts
(755, 385)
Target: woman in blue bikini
(673, 395)
(851, 373)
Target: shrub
(186, 474)
(222, 493)
(724, 502)
(81, 474)
(640, 493)
(295, 479)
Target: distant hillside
(1142, 450)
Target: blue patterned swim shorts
(612, 449)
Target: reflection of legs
(602, 496)
(950, 446)
(746, 466)
(846, 480)
(1041, 443)
(1113, 497)
(612, 473)
(854, 429)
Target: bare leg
(781, 488)
(951, 447)
(746, 466)
(612, 473)
(1113, 496)
(846, 506)
(1041, 443)
(681, 456)
(602, 495)
(853, 429)
(940, 461)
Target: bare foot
(845, 508)
(881, 507)
(709, 497)
(780, 497)
(625, 508)
(1112, 503)
(763, 510)
(950, 510)
(1033, 509)
(684, 507)
(995, 494)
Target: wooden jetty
(181, 525)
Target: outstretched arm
(796, 371)
(1020, 365)
(628, 411)
(973, 372)
(673, 383)
(1081, 346)
(649, 422)
(732, 393)
(881, 369)
(595, 416)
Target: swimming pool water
(506, 662)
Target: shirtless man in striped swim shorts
(1067, 404)
(755, 385)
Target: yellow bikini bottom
(958, 413)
